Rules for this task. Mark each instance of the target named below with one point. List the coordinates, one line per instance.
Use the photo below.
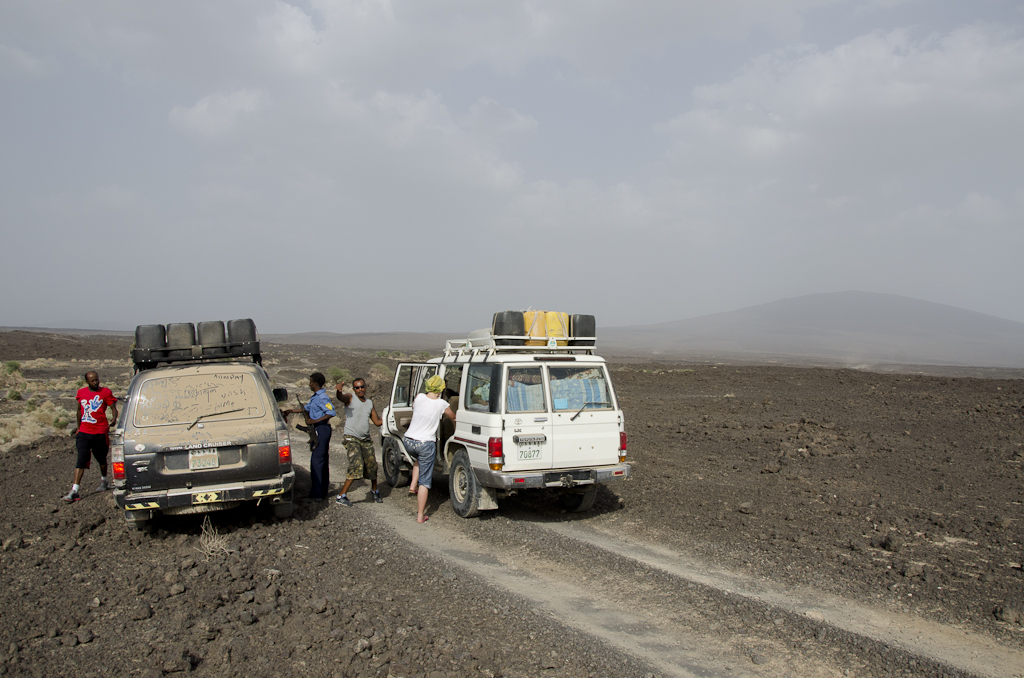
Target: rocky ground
(894, 490)
(901, 490)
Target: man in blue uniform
(318, 412)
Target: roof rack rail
(181, 343)
(490, 344)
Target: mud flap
(138, 515)
(488, 499)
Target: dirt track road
(663, 606)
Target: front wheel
(391, 460)
(463, 487)
(577, 502)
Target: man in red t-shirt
(91, 434)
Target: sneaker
(376, 497)
(72, 497)
(343, 500)
(103, 487)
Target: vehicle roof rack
(482, 342)
(182, 343)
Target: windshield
(184, 398)
(578, 388)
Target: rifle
(308, 430)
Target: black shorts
(95, 443)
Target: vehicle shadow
(541, 506)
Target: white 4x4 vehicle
(527, 417)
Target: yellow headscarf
(435, 384)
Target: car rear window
(525, 386)
(577, 388)
(184, 398)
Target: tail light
(622, 446)
(284, 448)
(117, 461)
(495, 454)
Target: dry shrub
(15, 380)
(210, 542)
(338, 374)
(43, 420)
(381, 373)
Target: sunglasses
(355, 388)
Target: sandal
(425, 519)
(413, 492)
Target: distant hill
(854, 329)
(391, 341)
(847, 328)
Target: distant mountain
(855, 329)
(849, 328)
(391, 341)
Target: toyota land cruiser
(527, 417)
(202, 432)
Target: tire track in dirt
(578, 577)
(601, 583)
(944, 644)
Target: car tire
(391, 460)
(578, 502)
(463, 486)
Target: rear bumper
(208, 494)
(570, 477)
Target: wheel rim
(461, 483)
(389, 460)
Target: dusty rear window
(525, 390)
(184, 398)
(579, 388)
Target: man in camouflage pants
(359, 412)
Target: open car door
(410, 380)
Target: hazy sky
(378, 165)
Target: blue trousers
(320, 463)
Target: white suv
(527, 417)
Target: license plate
(200, 459)
(528, 452)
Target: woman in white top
(427, 410)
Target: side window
(452, 380)
(410, 382)
(483, 388)
(525, 390)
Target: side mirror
(280, 394)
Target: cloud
(216, 115)
(489, 120)
(15, 62)
(883, 117)
(732, 166)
